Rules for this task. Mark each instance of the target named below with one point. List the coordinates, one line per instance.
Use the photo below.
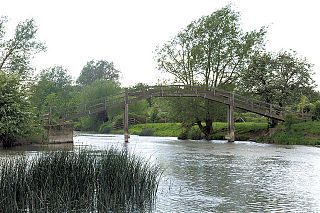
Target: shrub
(106, 127)
(195, 134)
(316, 111)
(289, 120)
(183, 135)
(146, 132)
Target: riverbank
(305, 133)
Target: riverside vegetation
(300, 133)
(78, 182)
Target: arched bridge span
(232, 100)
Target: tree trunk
(207, 130)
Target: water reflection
(217, 176)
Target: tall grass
(78, 182)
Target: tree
(279, 78)
(98, 89)
(95, 70)
(15, 110)
(211, 51)
(15, 53)
(53, 85)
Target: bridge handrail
(163, 90)
(91, 101)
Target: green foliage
(315, 111)
(98, 70)
(105, 127)
(154, 115)
(146, 132)
(290, 138)
(302, 133)
(16, 52)
(278, 78)
(52, 88)
(113, 181)
(15, 110)
(98, 89)
(159, 129)
(211, 51)
(183, 135)
(290, 119)
(249, 117)
(139, 108)
(195, 134)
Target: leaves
(95, 70)
(211, 51)
(280, 78)
(15, 53)
(15, 114)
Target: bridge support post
(231, 137)
(126, 119)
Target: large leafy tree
(279, 78)
(16, 52)
(15, 110)
(15, 69)
(211, 51)
(95, 70)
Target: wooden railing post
(126, 118)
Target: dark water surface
(216, 176)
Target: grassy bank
(78, 182)
(305, 133)
(243, 130)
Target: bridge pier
(126, 120)
(230, 137)
(59, 133)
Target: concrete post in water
(126, 119)
(231, 137)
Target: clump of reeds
(78, 181)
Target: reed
(79, 182)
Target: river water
(216, 176)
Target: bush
(146, 132)
(195, 134)
(105, 127)
(183, 135)
(316, 111)
(290, 119)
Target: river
(216, 176)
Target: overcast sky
(127, 32)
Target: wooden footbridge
(230, 99)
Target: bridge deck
(214, 94)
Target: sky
(127, 32)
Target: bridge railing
(89, 107)
(133, 95)
(219, 94)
